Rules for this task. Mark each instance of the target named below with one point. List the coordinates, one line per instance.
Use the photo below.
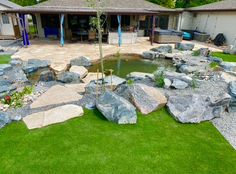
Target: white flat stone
(59, 67)
(56, 95)
(92, 76)
(82, 71)
(53, 116)
(79, 88)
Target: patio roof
(82, 6)
(9, 4)
(225, 5)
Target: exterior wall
(212, 23)
(173, 22)
(186, 21)
(6, 29)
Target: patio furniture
(167, 36)
(202, 37)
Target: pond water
(131, 63)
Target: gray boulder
(33, 65)
(167, 83)
(194, 108)
(215, 59)
(81, 61)
(16, 62)
(68, 77)
(116, 108)
(228, 66)
(4, 119)
(205, 52)
(1, 72)
(147, 99)
(163, 49)
(47, 76)
(184, 46)
(5, 67)
(187, 69)
(180, 76)
(179, 84)
(232, 92)
(151, 55)
(6, 86)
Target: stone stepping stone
(56, 95)
(79, 88)
(92, 76)
(53, 116)
(80, 70)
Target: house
(214, 18)
(9, 23)
(72, 18)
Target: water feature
(124, 64)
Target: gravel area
(227, 127)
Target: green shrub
(196, 53)
(159, 78)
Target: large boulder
(81, 61)
(80, 70)
(4, 119)
(232, 92)
(147, 99)
(68, 77)
(140, 75)
(179, 84)
(6, 86)
(184, 46)
(151, 55)
(5, 67)
(47, 76)
(195, 108)
(228, 66)
(180, 76)
(163, 49)
(116, 108)
(33, 65)
(215, 59)
(53, 116)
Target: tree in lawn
(98, 23)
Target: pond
(126, 64)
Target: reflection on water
(125, 64)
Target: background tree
(26, 2)
(165, 3)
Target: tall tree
(165, 3)
(26, 2)
(192, 3)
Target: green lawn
(4, 59)
(225, 57)
(90, 144)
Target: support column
(119, 30)
(62, 29)
(152, 32)
(25, 36)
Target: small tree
(98, 23)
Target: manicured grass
(4, 59)
(91, 144)
(225, 57)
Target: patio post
(62, 29)
(152, 32)
(25, 36)
(119, 30)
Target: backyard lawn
(157, 144)
(4, 59)
(225, 57)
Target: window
(5, 19)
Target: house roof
(82, 6)
(225, 5)
(9, 4)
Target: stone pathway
(53, 116)
(56, 95)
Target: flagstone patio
(61, 56)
